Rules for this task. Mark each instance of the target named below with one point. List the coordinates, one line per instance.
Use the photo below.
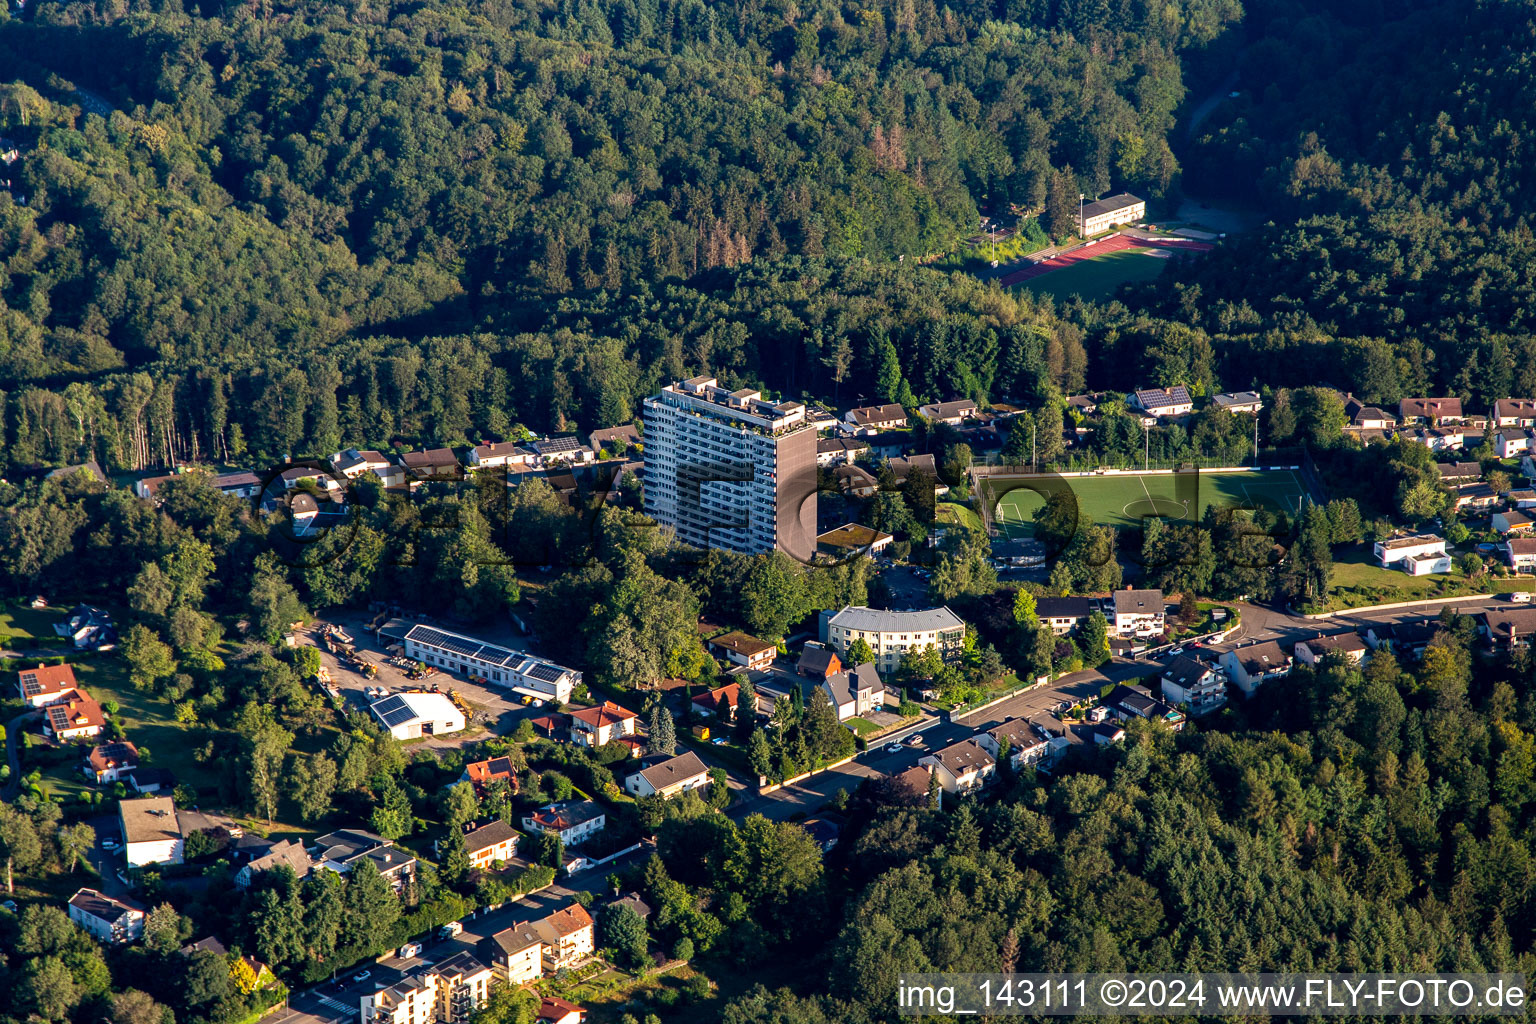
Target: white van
(449, 930)
(1520, 596)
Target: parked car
(915, 740)
(1176, 651)
(362, 975)
(109, 844)
(893, 748)
(9, 905)
(1520, 596)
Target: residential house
(91, 468)
(574, 821)
(618, 439)
(148, 487)
(408, 716)
(342, 850)
(1477, 497)
(1430, 411)
(872, 419)
(856, 691)
(1417, 554)
(962, 767)
(1512, 520)
(145, 779)
(1520, 553)
(106, 918)
(710, 703)
(110, 762)
(1351, 646)
(634, 902)
(432, 463)
(890, 634)
(823, 832)
(554, 1010)
(354, 463)
(75, 716)
(463, 986)
(911, 786)
(670, 777)
(1083, 405)
(1510, 442)
(1138, 612)
(1107, 733)
(592, 727)
(823, 421)
(1507, 627)
(888, 444)
(1437, 439)
(818, 661)
(1127, 702)
(515, 953)
(1238, 401)
(410, 1000)
(855, 481)
(1514, 412)
(289, 853)
(905, 465)
(838, 451)
(88, 627)
(242, 484)
(1456, 474)
(952, 413)
(1194, 684)
(1061, 615)
(1028, 744)
(1367, 417)
(1404, 639)
(1524, 498)
(740, 649)
(1163, 403)
(567, 937)
(1252, 666)
(561, 451)
(501, 453)
(46, 684)
(483, 774)
(152, 832)
(853, 539)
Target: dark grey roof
(847, 684)
(459, 965)
(1185, 671)
(965, 756)
(673, 770)
(488, 835)
(878, 620)
(1063, 607)
(1109, 204)
(1138, 602)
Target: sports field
(1099, 277)
(1095, 270)
(1123, 499)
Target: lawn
(1124, 499)
(863, 727)
(1100, 277)
(949, 512)
(149, 723)
(1358, 581)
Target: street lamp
(1082, 229)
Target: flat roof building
(731, 470)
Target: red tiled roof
(605, 714)
(46, 679)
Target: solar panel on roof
(29, 684)
(548, 673)
(393, 711)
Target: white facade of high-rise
(729, 470)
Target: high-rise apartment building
(727, 469)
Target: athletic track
(1096, 249)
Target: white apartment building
(1417, 554)
(892, 634)
(501, 666)
(728, 469)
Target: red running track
(1096, 249)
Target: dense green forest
(398, 193)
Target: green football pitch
(1124, 499)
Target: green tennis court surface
(1125, 499)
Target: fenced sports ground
(1125, 498)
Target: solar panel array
(548, 673)
(393, 711)
(462, 646)
(29, 684)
